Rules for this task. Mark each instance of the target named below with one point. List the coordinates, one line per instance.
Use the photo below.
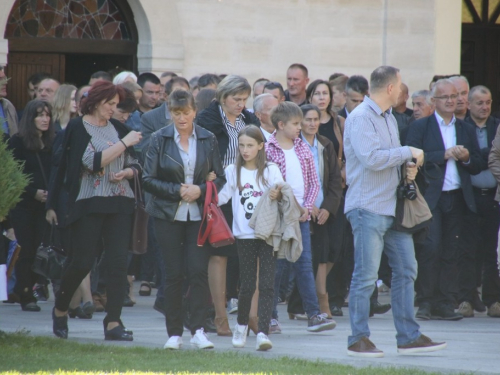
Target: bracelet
(123, 143)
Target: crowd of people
(306, 179)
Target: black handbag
(49, 259)
(139, 238)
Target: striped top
(98, 184)
(232, 132)
(373, 159)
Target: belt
(481, 191)
(456, 191)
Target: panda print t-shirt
(245, 201)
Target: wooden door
(21, 65)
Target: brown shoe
(253, 324)
(364, 348)
(421, 345)
(324, 307)
(97, 300)
(222, 326)
(494, 310)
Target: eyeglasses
(446, 97)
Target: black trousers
(480, 245)
(437, 257)
(177, 241)
(249, 250)
(114, 231)
(29, 227)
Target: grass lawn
(21, 353)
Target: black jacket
(332, 180)
(491, 130)
(32, 168)
(211, 119)
(425, 134)
(67, 176)
(164, 170)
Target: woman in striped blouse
(225, 117)
(96, 164)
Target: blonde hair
(61, 105)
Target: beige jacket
(11, 115)
(278, 224)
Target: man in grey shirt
(373, 159)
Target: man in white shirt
(452, 155)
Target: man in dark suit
(356, 88)
(479, 252)
(450, 144)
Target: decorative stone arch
(145, 38)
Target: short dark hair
(173, 81)
(101, 90)
(128, 104)
(309, 107)
(208, 79)
(260, 80)
(339, 83)
(148, 77)
(36, 78)
(101, 74)
(204, 98)
(180, 99)
(284, 112)
(274, 86)
(382, 76)
(336, 75)
(27, 129)
(301, 67)
(358, 84)
(312, 87)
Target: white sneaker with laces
(263, 343)
(173, 343)
(240, 336)
(200, 340)
(232, 306)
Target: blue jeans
(303, 276)
(372, 235)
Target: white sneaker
(240, 336)
(274, 326)
(232, 306)
(263, 343)
(200, 340)
(173, 343)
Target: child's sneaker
(200, 340)
(263, 343)
(239, 336)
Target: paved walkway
(473, 344)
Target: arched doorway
(480, 60)
(69, 39)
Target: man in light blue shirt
(373, 159)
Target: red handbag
(214, 226)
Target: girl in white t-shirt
(246, 183)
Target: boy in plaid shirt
(286, 149)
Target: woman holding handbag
(96, 164)
(179, 158)
(33, 146)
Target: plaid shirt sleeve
(276, 155)
(311, 181)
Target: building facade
(258, 38)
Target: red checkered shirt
(311, 182)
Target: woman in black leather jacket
(179, 158)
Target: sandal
(145, 289)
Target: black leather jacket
(164, 170)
